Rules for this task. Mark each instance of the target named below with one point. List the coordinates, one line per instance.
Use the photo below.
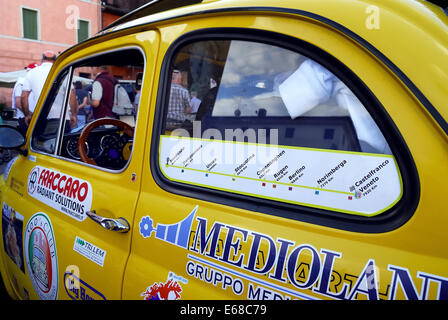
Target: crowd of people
(94, 100)
(86, 103)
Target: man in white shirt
(34, 82)
(195, 102)
(16, 99)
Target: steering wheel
(127, 129)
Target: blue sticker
(77, 289)
(176, 234)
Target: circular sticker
(41, 256)
(32, 180)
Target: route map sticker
(351, 182)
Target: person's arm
(17, 96)
(95, 103)
(26, 91)
(18, 102)
(83, 104)
(187, 105)
(97, 93)
(25, 106)
(73, 103)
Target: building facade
(29, 27)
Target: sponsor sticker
(41, 256)
(90, 251)
(77, 289)
(257, 266)
(12, 229)
(67, 194)
(169, 290)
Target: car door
(294, 180)
(68, 252)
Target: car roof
(152, 7)
(156, 10)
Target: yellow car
(263, 150)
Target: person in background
(34, 83)
(179, 103)
(16, 100)
(88, 89)
(103, 94)
(84, 109)
(195, 102)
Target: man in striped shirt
(179, 103)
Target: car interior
(106, 143)
(288, 97)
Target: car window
(99, 94)
(259, 120)
(47, 127)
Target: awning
(8, 79)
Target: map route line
(260, 180)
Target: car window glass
(283, 90)
(259, 120)
(256, 119)
(104, 97)
(47, 126)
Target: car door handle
(119, 225)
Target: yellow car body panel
(356, 248)
(115, 195)
(228, 252)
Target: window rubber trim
(389, 220)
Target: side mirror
(11, 138)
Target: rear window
(249, 118)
